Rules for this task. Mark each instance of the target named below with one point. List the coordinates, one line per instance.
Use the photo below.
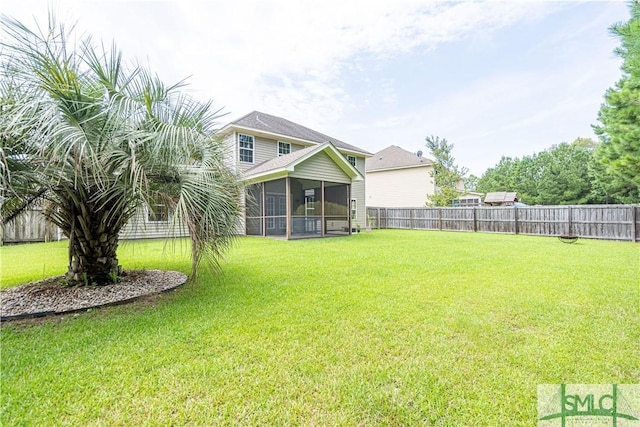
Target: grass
(382, 328)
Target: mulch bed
(49, 296)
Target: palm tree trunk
(93, 236)
(93, 258)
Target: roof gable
(284, 165)
(277, 126)
(394, 157)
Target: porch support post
(349, 208)
(289, 200)
(264, 209)
(322, 223)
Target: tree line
(565, 174)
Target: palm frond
(102, 139)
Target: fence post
(410, 218)
(440, 219)
(379, 219)
(386, 223)
(475, 220)
(634, 218)
(515, 219)
(570, 220)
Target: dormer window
(284, 148)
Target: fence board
(29, 227)
(611, 222)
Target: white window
(354, 208)
(158, 213)
(245, 145)
(283, 148)
(352, 160)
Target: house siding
(321, 168)
(230, 150)
(139, 228)
(399, 187)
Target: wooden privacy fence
(29, 227)
(610, 222)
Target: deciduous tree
(447, 176)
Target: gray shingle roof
(395, 157)
(277, 125)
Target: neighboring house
(470, 198)
(501, 198)
(298, 182)
(397, 178)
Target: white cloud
(232, 47)
(290, 58)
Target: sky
(493, 78)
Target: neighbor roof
(259, 121)
(394, 157)
(501, 196)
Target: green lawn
(382, 328)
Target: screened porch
(298, 208)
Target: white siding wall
(399, 188)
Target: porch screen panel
(306, 207)
(275, 207)
(336, 208)
(254, 217)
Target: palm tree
(97, 141)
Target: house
(298, 182)
(501, 198)
(397, 178)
